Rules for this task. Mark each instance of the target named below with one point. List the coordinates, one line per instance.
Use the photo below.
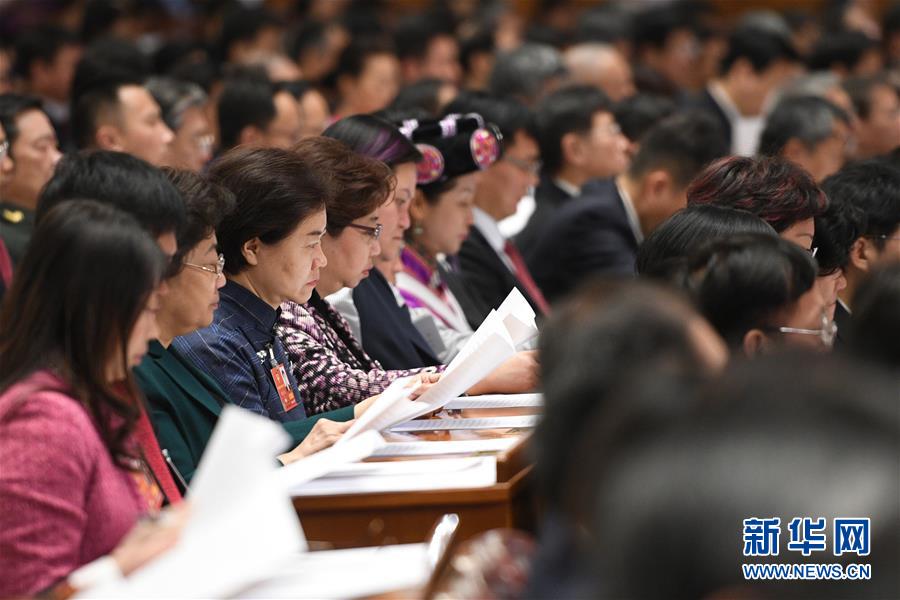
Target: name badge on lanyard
(282, 383)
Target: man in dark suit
(579, 140)
(758, 62)
(388, 333)
(489, 264)
(601, 232)
(866, 197)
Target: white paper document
(446, 447)
(242, 522)
(405, 476)
(497, 401)
(517, 422)
(371, 571)
(323, 461)
(492, 344)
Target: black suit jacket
(705, 102)
(548, 199)
(589, 237)
(474, 308)
(388, 333)
(486, 275)
(844, 324)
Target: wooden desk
(357, 520)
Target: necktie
(524, 276)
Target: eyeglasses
(372, 232)
(532, 167)
(877, 237)
(827, 333)
(4, 148)
(218, 270)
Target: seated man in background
(112, 110)
(601, 232)
(871, 191)
(579, 140)
(490, 264)
(30, 159)
(810, 132)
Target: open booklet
(496, 340)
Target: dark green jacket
(184, 405)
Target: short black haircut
(840, 49)
(860, 91)
(274, 192)
(95, 98)
(682, 144)
(604, 24)
(243, 24)
(244, 101)
(11, 107)
(310, 34)
(741, 283)
(479, 42)
(507, 114)
(414, 34)
(206, 204)
(808, 119)
(665, 252)
(40, 44)
(352, 60)
(760, 47)
(423, 94)
(124, 181)
(570, 109)
(873, 187)
(653, 26)
(836, 229)
(109, 58)
(638, 113)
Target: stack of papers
(517, 422)
(494, 342)
(404, 476)
(446, 447)
(498, 401)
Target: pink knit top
(63, 500)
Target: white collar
(633, 221)
(489, 228)
(844, 304)
(569, 188)
(717, 91)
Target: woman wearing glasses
(186, 401)
(758, 292)
(330, 365)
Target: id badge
(283, 385)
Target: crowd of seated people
(286, 207)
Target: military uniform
(16, 225)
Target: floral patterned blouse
(330, 366)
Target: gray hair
(809, 119)
(522, 73)
(174, 98)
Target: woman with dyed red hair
(776, 190)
